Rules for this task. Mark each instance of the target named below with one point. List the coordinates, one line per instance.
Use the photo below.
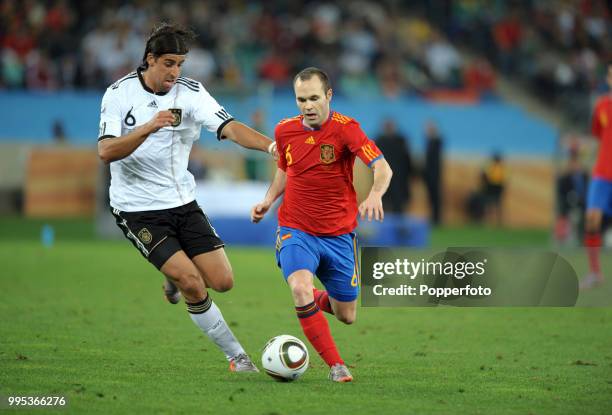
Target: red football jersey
(602, 129)
(319, 195)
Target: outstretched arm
(115, 148)
(247, 137)
(277, 188)
(372, 206)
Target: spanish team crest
(178, 116)
(145, 236)
(327, 153)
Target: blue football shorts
(333, 259)
(599, 195)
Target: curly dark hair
(167, 38)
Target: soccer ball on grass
(285, 358)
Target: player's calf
(183, 273)
(191, 285)
(215, 269)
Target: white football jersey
(155, 175)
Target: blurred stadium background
(494, 78)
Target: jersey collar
(307, 128)
(145, 87)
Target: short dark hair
(306, 74)
(167, 38)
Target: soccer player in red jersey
(317, 150)
(599, 197)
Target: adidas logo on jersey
(152, 104)
(310, 140)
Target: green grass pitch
(85, 319)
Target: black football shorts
(159, 234)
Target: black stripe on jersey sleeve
(188, 80)
(186, 85)
(106, 136)
(223, 124)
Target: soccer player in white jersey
(148, 123)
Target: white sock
(207, 316)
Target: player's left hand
(372, 207)
(259, 211)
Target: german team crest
(145, 236)
(327, 153)
(178, 116)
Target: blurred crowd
(556, 48)
(366, 46)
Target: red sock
(592, 242)
(315, 327)
(322, 299)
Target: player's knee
(347, 318)
(224, 284)
(302, 291)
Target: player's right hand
(259, 211)
(160, 120)
(273, 150)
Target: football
(285, 358)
